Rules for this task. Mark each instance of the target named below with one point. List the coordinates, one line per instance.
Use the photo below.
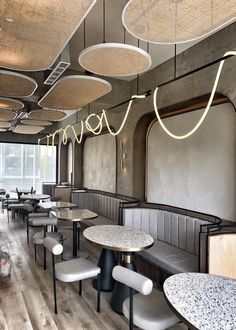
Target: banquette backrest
(103, 203)
(178, 227)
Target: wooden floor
(26, 297)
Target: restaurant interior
(117, 164)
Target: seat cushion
(171, 258)
(151, 312)
(76, 270)
(38, 214)
(100, 220)
(41, 221)
(39, 237)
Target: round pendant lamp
(74, 92)
(49, 115)
(2, 130)
(115, 59)
(23, 129)
(33, 122)
(5, 124)
(7, 103)
(14, 84)
(7, 115)
(176, 21)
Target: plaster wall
(197, 173)
(99, 167)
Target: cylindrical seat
(42, 221)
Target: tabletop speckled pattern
(74, 215)
(57, 205)
(35, 196)
(206, 301)
(119, 238)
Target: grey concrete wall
(195, 85)
(197, 173)
(99, 169)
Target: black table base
(107, 262)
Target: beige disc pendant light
(74, 92)
(176, 21)
(5, 124)
(3, 130)
(13, 84)
(115, 59)
(7, 103)
(7, 115)
(25, 129)
(33, 122)
(33, 33)
(49, 115)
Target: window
(26, 166)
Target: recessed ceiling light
(9, 19)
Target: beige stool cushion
(41, 221)
(39, 237)
(151, 312)
(76, 270)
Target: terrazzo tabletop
(34, 196)
(57, 205)
(74, 215)
(205, 301)
(118, 238)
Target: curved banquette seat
(107, 205)
(177, 234)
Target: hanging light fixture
(7, 115)
(14, 84)
(74, 92)
(114, 59)
(23, 129)
(44, 114)
(33, 122)
(33, 33)
(176, 21)
(7, 103)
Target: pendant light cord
(104, 21)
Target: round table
(74, 216)
(34, 197)
(57, 205)
(202, 301)
(117, 238)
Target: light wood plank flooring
(26, 299)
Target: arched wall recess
(198, 173)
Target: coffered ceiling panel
(74, 92)
(50, 115)
(33, 33)
(176, 21)
(36, 122)
(6, 103)
(7, 115)
(23, 129)
(14, 84)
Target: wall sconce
(123, 156)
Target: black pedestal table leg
(121, 291)
(107, 261)
(75, 239)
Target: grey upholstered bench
(107, 205)
(176, 233)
